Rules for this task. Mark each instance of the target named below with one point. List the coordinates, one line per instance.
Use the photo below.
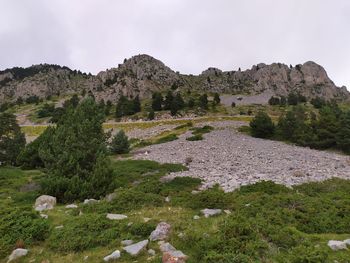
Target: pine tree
(12, 140)
(136, 104)
(120, 143)
(168, 100)
(216, 99)
(343, 135)
(157, 101)
(203, 101)
(262, 125)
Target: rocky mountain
(143, 74)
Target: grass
(268, 223)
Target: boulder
(115, 255)
(17, 253)
(165, 247)
(45, 202)
(211, 212)
(336, 244)
(161, 232)
(136, 248)
(116, 216)
(174, 257)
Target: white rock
(17, 253)
(161, 232)
(227, 212)
(136, 248)
(127, 242)
(90, 201)
(45, 202)
(116, 216)
(72, 206)
(336, 244)
(196, 217)
(115, 255)
(44, 216)
(211, 212)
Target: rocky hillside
(143, 74)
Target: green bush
(262, 126)
(84, 232)
(167, 138)
(120, 143)
(197, 137)
(21, 224)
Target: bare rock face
(142, 74)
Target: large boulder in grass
(17, 253)
(161, 232)
(45, 202)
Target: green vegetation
(262, 126)
(127, 107)
(12, 140)
(268, 223)
(120, 143)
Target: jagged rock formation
(143, 74)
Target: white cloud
(187, 35)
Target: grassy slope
(286, 224)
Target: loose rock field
(231, 159)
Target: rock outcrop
(142, 74)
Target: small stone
(17, 253)
(194, 192)
(115, 255)
(181, 235)
(174, 257)
(336, 245)
(90, 201)
(72, 206)
(59, 227)
(116, 216)
(86, 258)
(165, 247)
(130, 223)
(151, 252)
(44, 216)
(161, 232)
(127, 242)
(211, 212)
(136, 248)
(146, 219)
(227, 212)
(167, 199)
(196, 217)
(80, 213)
(110, 197)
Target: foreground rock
(115, 255)
(73, 206)
(336, 245)
(116, 216)
(161, 232)
(211, 212)
(45, 202)
(174, 257)
(90, 201)
(136, 248)
(17, 253)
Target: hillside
(143, 74)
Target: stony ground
(232, 159)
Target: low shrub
(197, 137)
(167, 138)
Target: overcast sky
(187, 35)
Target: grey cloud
(188, 36)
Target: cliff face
(143, 74)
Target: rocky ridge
(142, 74)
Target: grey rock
(211, 212)
(116, 216)
(17, 253)
(151, 252)
(90, 201)
(45, 202)
(165, 247)
(336, 245)
(115, 255)
(136, 248)
(127, 242)
(71, 206)
(347, 242)
(161, 232)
